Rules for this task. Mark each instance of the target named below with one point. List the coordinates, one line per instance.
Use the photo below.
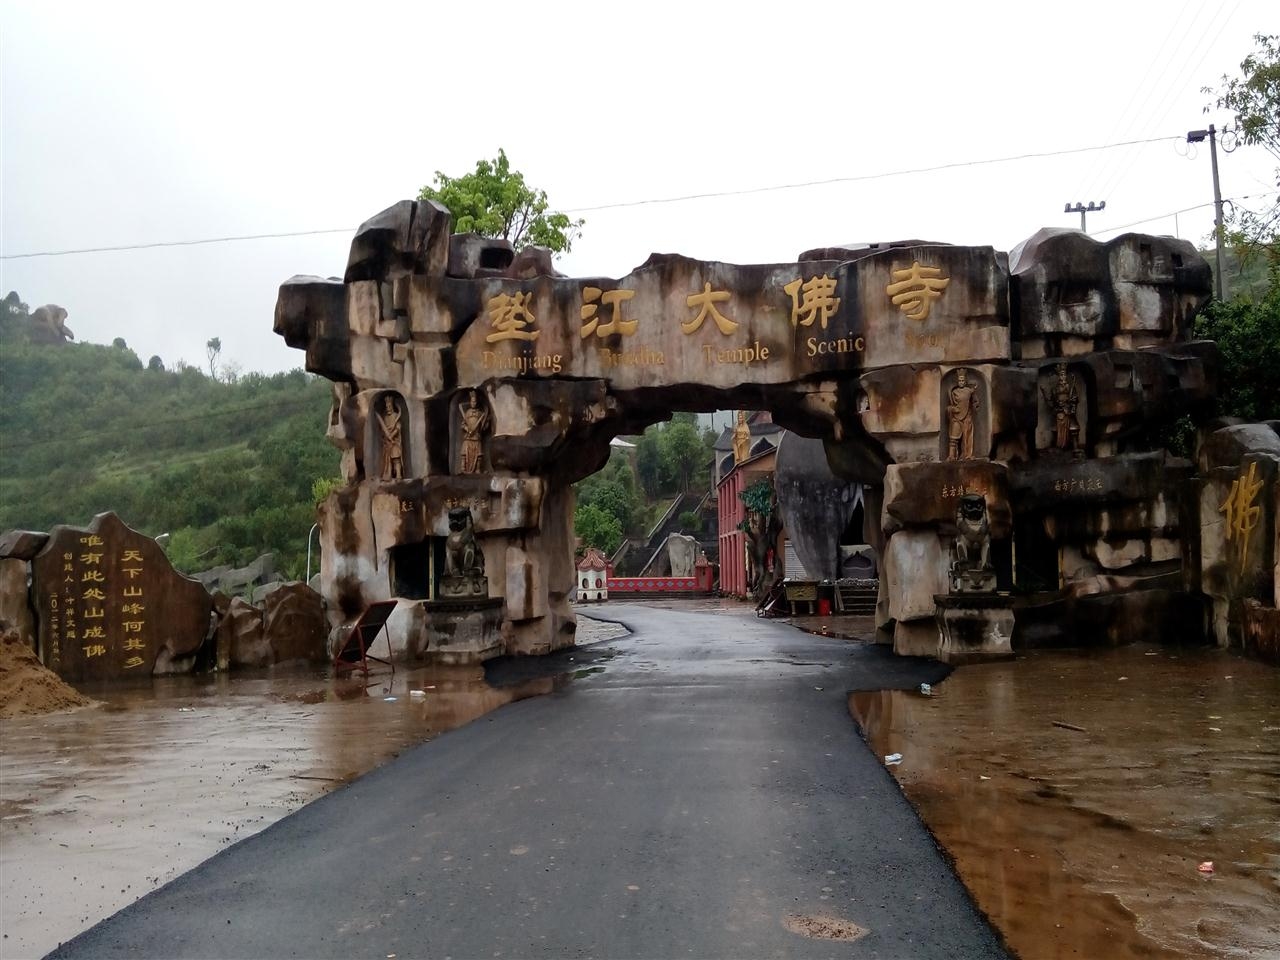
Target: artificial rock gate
(472, 387)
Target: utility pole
(1197, 136)
(1081, 209)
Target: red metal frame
(354, 654)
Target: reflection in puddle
(100, 806)
(1077, 794)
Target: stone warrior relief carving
(474, 421)
(391, 465)
(962, 405)
(971, 570)
(1063, 400)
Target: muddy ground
(1078, 792)
(101, 805)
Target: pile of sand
(27, 686)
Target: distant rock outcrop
(48, 324)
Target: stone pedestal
(466, 586)
(972, 580)
(463, 631)
(975, 627)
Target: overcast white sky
(131, 123)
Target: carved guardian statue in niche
(474, 420)
(463, 559)
(971, 570)
(962, 405)
(462, 556)
(1063, 400)
(392, 461)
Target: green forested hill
(225, 468)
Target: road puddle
(100, 806)
(1078, 793)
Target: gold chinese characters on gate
(511, 317)
(1242, 514)
(610, 320)
(613, 299)
(914, 289)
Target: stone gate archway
(473, 386)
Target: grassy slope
(225, 468)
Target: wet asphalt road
(684, 802)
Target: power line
(869, 176)
(175, 243)
(858, 178)
(1122, 119)
(1174, 213)
(1101, 182)
(1162, 107)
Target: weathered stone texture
(526, 592)
(1261, 631)
(472, 256)
(914, 570)
(816, 505)
(1073, 294)
(682, 554)
(975, 628)
(15, 600)
(926, 494)
(294, 623)
(1238, 511)
(311, 315)
(239, 638)
(22, 544)
(411, 237)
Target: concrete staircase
(856, 598)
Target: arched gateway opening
(473, 387)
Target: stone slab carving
(110, 606)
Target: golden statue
(741, 438)
(474, 422)
(392, 467)
(960, 413)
